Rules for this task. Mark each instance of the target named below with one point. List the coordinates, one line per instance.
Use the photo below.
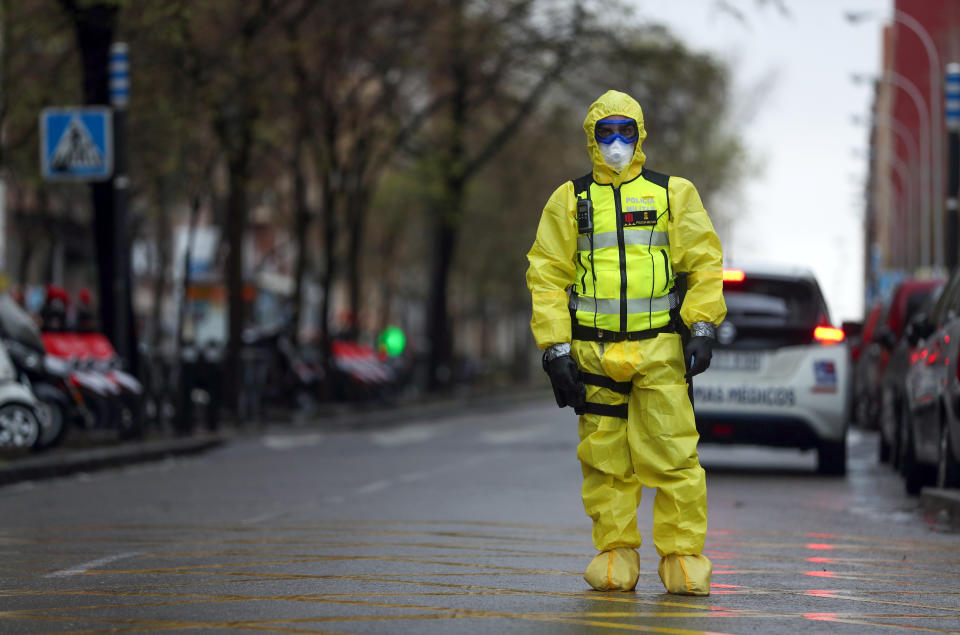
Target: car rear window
(774, 302)
(771, 312)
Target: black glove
(697, 354)
(565, 378)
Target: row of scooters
(51, 381)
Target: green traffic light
(392, 340)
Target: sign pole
(952, 116)
(119, 98)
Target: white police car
(779, 371)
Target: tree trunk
(329, 273)
(438, 319)
(237, 182)
(301, 230)
(162, 244)
(356, 215)
(446, 218)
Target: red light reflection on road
(820, 545)
(821, 617)
(722, 555)
(819, 593)
(821, 574)
(823, 560)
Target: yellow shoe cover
(686, 575)
(615, 570)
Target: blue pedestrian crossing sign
(76, 144)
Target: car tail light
(828, 335)
(733, 275)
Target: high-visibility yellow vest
(624, 275)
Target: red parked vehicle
(882, 331)
(113, 395)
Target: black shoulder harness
(582, 184)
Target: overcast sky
(806, 205)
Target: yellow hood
(610, 103)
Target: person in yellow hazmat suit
(606, 313)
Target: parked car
(893, 381)
(929, 441)
(779, 370)
(903, 304)
(865, 361)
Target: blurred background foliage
(402, 148)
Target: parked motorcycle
(19, 424)
(42, 375)
(113, 396)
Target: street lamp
(910, 142)
(936, 117)
(910, 88)
(900, 255)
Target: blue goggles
(609, 130)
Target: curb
(943, 502)
(64, 463)
(424, 411)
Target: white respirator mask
(617, 154)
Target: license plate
(726, 360)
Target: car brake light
(733, 275)
(828, 335)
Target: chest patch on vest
(639, 211)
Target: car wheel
(883, 449)
(53, 424)
(948, 468)
(129, 418)
(832, 457)
(915, 475)
(19, 426)
(899, 430)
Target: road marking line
(375, 486)
(515, 435)
(292, 441)
(93, 564)
(414, 433)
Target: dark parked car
(904, 302)
(864, 360)
(893, 383)
(930, 435)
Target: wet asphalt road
(470, 524)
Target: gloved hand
(564, 377)
(697, 354)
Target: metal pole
(936, 147)
(119, 97)
(952, 112)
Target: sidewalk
(944, 503)
(67, 460)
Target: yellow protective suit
(656, 446)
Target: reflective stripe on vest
(634, 305)
(625, 276)
(638, 237)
